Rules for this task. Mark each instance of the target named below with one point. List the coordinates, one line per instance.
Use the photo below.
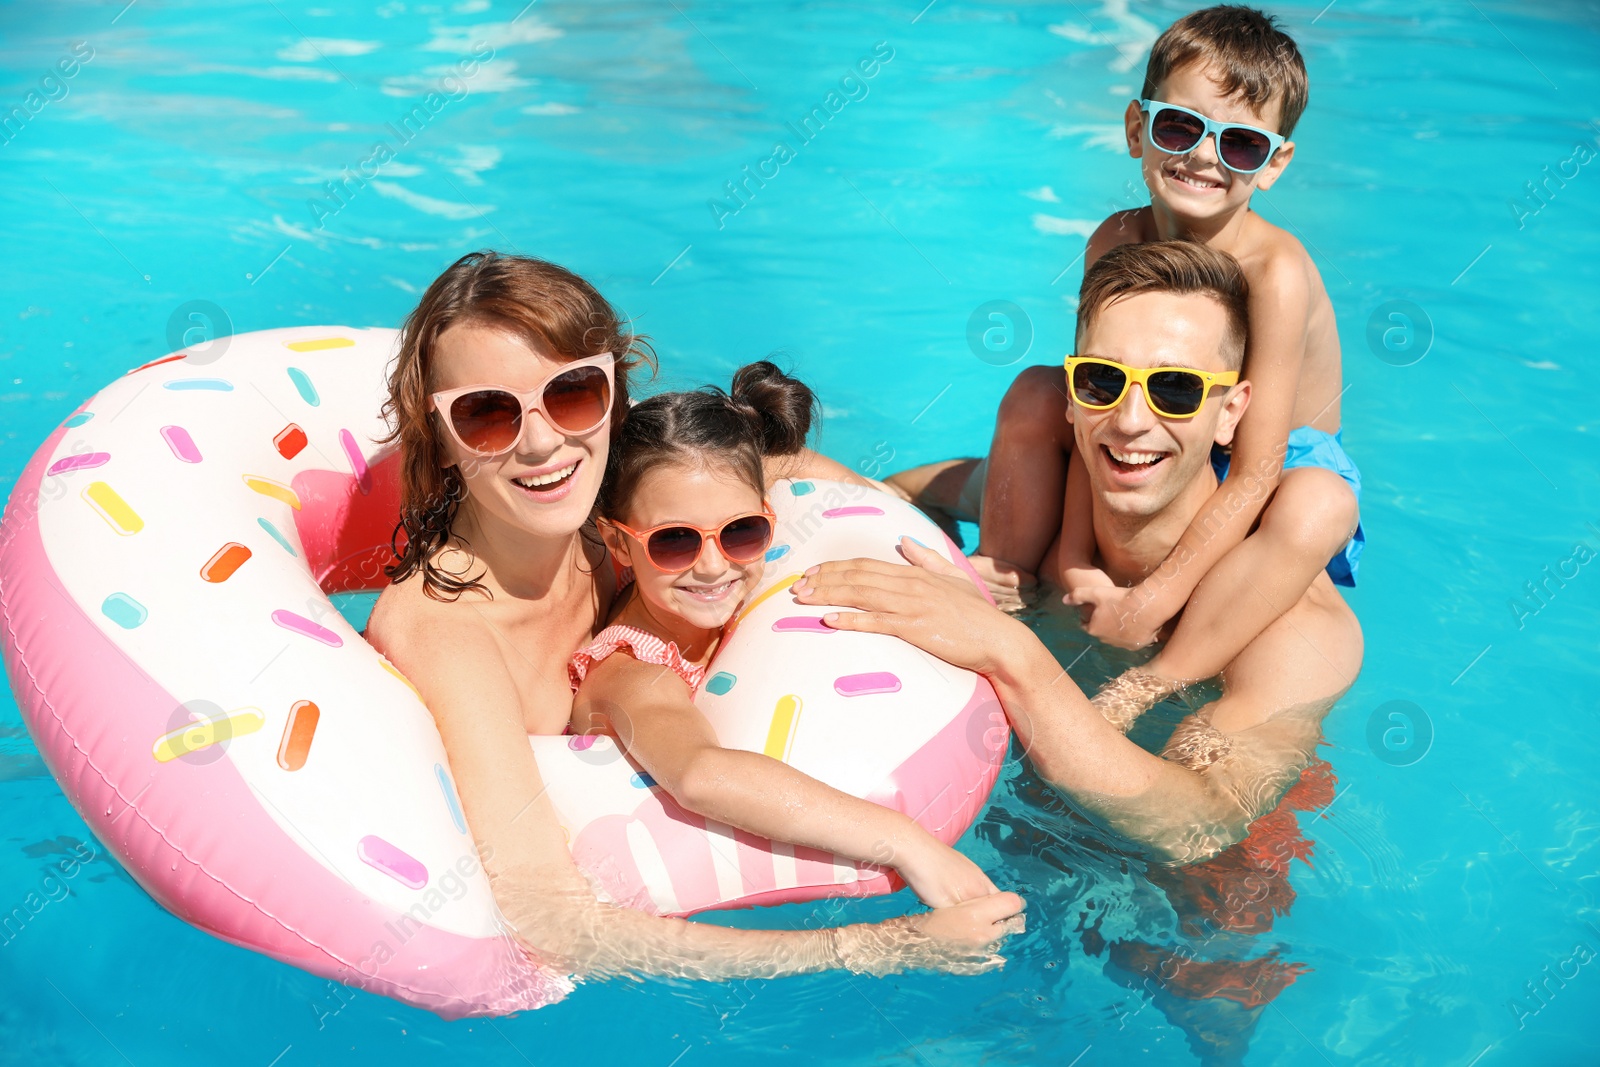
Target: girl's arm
(546, 899)
(654, 720)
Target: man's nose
(1133, 416)
(1206, 150)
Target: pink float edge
(238, 876)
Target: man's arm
(1257, 739)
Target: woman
(501, 579)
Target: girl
(683, 505)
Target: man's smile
(1132, 467)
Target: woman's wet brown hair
(548, 306)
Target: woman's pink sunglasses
(488, 419)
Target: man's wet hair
(1170, 267)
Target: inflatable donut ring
(166, 564)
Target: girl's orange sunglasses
(675, 547)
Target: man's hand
(1111, 614)
(931, 604)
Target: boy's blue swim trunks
(1309, 447)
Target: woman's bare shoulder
(435, 643)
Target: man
(1147, 441)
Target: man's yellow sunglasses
(1171, 392)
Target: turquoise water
(1445, 913)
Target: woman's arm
(652, 716)
(546, 899)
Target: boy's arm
(658, 726)
(1279, 312)
(1077, 533)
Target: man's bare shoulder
(1308, 657)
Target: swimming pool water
(1440, 905)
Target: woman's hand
(932, 604)
(963, 939)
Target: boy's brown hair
(1170, 267)
(1251, 57)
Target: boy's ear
(1232, 411)
(1133, 125)
(1280, 162)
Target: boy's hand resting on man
(1012, 587)
(1110, 613)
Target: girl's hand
(942, 877)
(931, 604)
(963, 939)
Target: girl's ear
(616, 543)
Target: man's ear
(1233, 406)
(1280, 162)
(616, 544)
(1133, 126)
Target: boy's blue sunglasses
(1242, 149)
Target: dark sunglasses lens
(578, 400)
(488, 421)
(1242, 149)
(1175, 131)
(1097, 384)
(675, 548)
(745, 539)
(1177, 392)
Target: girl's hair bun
(782, 407)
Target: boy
(1222, 93)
